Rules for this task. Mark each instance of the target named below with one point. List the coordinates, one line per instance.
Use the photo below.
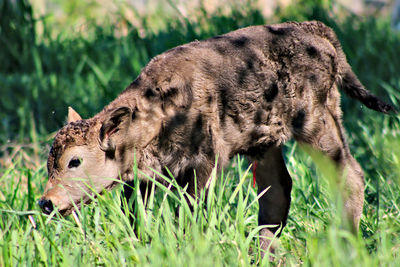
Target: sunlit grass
(215, 231)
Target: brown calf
(247, 92)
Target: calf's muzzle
(46, 205)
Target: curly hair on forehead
(74, 133)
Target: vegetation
(41, 74)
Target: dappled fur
(246, 92)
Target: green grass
(221, 230)
(41, 75)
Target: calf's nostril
(46, 205)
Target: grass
(221, 230)
(42, 75)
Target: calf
(246, 92)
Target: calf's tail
(350, 84)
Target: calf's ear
(73, 115)
(114, 129)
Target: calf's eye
(74, 162)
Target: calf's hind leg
(328, 137)
(274, 204)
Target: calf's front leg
(274, 204)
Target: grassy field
(42, 74)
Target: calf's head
(89, 155)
